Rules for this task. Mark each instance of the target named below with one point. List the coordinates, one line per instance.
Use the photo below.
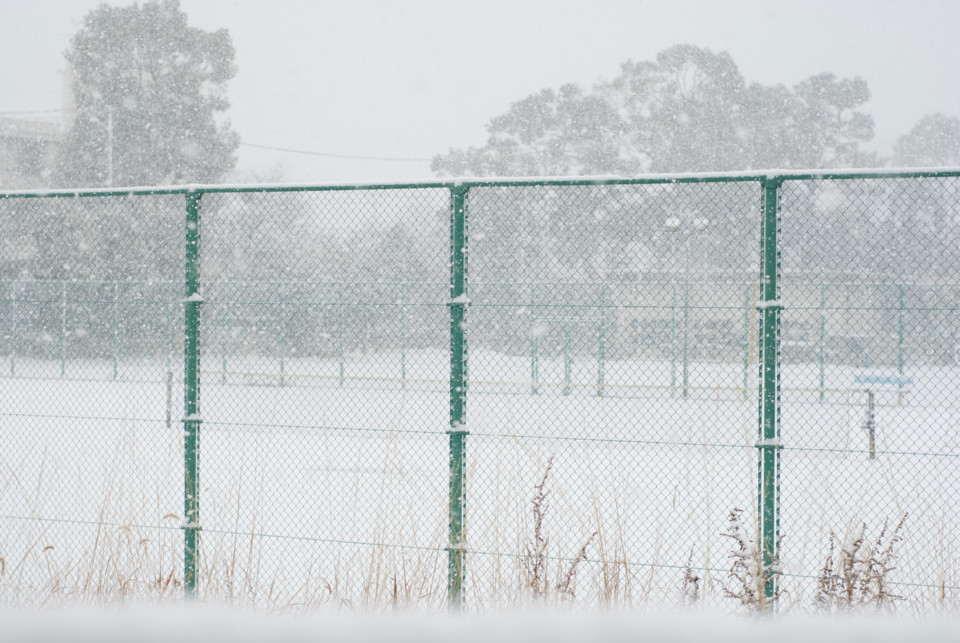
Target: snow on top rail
(470, 182)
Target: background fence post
(340, 313)
(602, 342)
(673, 341)
(534, 342)
(686, 324)
(823, 337)
(191, 397)
(223, 343)
(900, 324)
(281, 291)
(403, 336)
(458, 393)
(768, 445)
(115, 345)
(168, 328)
(63, 328)
(746, 342)
(13, 328)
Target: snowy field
(320, 491)
(214, 623)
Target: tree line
(150, 96)
(691, 110)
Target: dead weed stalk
(858, 575)
(535, 552)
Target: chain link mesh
(869, 377)
(613, 372)
(92, 467)
(610, 338)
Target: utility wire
(35, 111)
(400, 159)
(338, 156)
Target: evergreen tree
(934, 141)
(551, 132)
(688, 110)
(148, 90)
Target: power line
(35, 111)
(396, 159)
(338, 156)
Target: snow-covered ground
(326, 490)
(205, 623)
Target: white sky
(414, 78)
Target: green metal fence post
(768, 445)
(116, 328)
(602, 341)
(823, 337)
(63, 328)
(191, 398)
(458, 393)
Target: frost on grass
(535, 554)
(748, 576)
(690, 590)
(858, 575)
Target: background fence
(289, 396)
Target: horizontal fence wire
(607, 443)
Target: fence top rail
(269, 283)
(472, 182)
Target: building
(28, 152)
(29, 147)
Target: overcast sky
(409, 79)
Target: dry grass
(535, 577)
(125, 564)
(859, 574)
(748, 577)
(112, 560)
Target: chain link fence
(482, 393)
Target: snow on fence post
(458, 392)
(191, 397)
(768, 445)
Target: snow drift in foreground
(218, 624)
